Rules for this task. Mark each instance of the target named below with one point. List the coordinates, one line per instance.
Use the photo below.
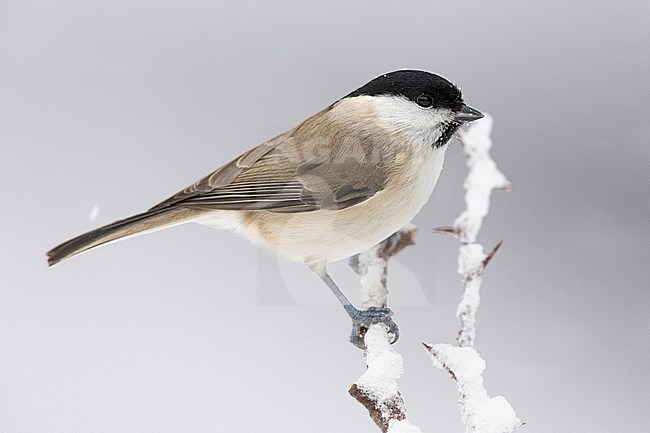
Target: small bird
(331, 187)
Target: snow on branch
(482, 179)
(377, 388)
(372, 266)
(479, 412)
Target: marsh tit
(335, 185)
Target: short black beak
(467, 114)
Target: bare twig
(377, 388)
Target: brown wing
(291, 173)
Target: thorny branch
(479, 412)
(482, 179)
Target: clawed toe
(363, 319)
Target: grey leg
(362, 319)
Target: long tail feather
(137, 224)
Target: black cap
(412, 84)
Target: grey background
(122, 103)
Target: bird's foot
(363, 319)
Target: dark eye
(425, 101)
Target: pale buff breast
(329, 235)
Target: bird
(336, 184)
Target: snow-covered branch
(377, 388)
(482, 179)
(479, 412)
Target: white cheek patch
(421, 125)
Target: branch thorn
(491, 254)
(449, 230)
